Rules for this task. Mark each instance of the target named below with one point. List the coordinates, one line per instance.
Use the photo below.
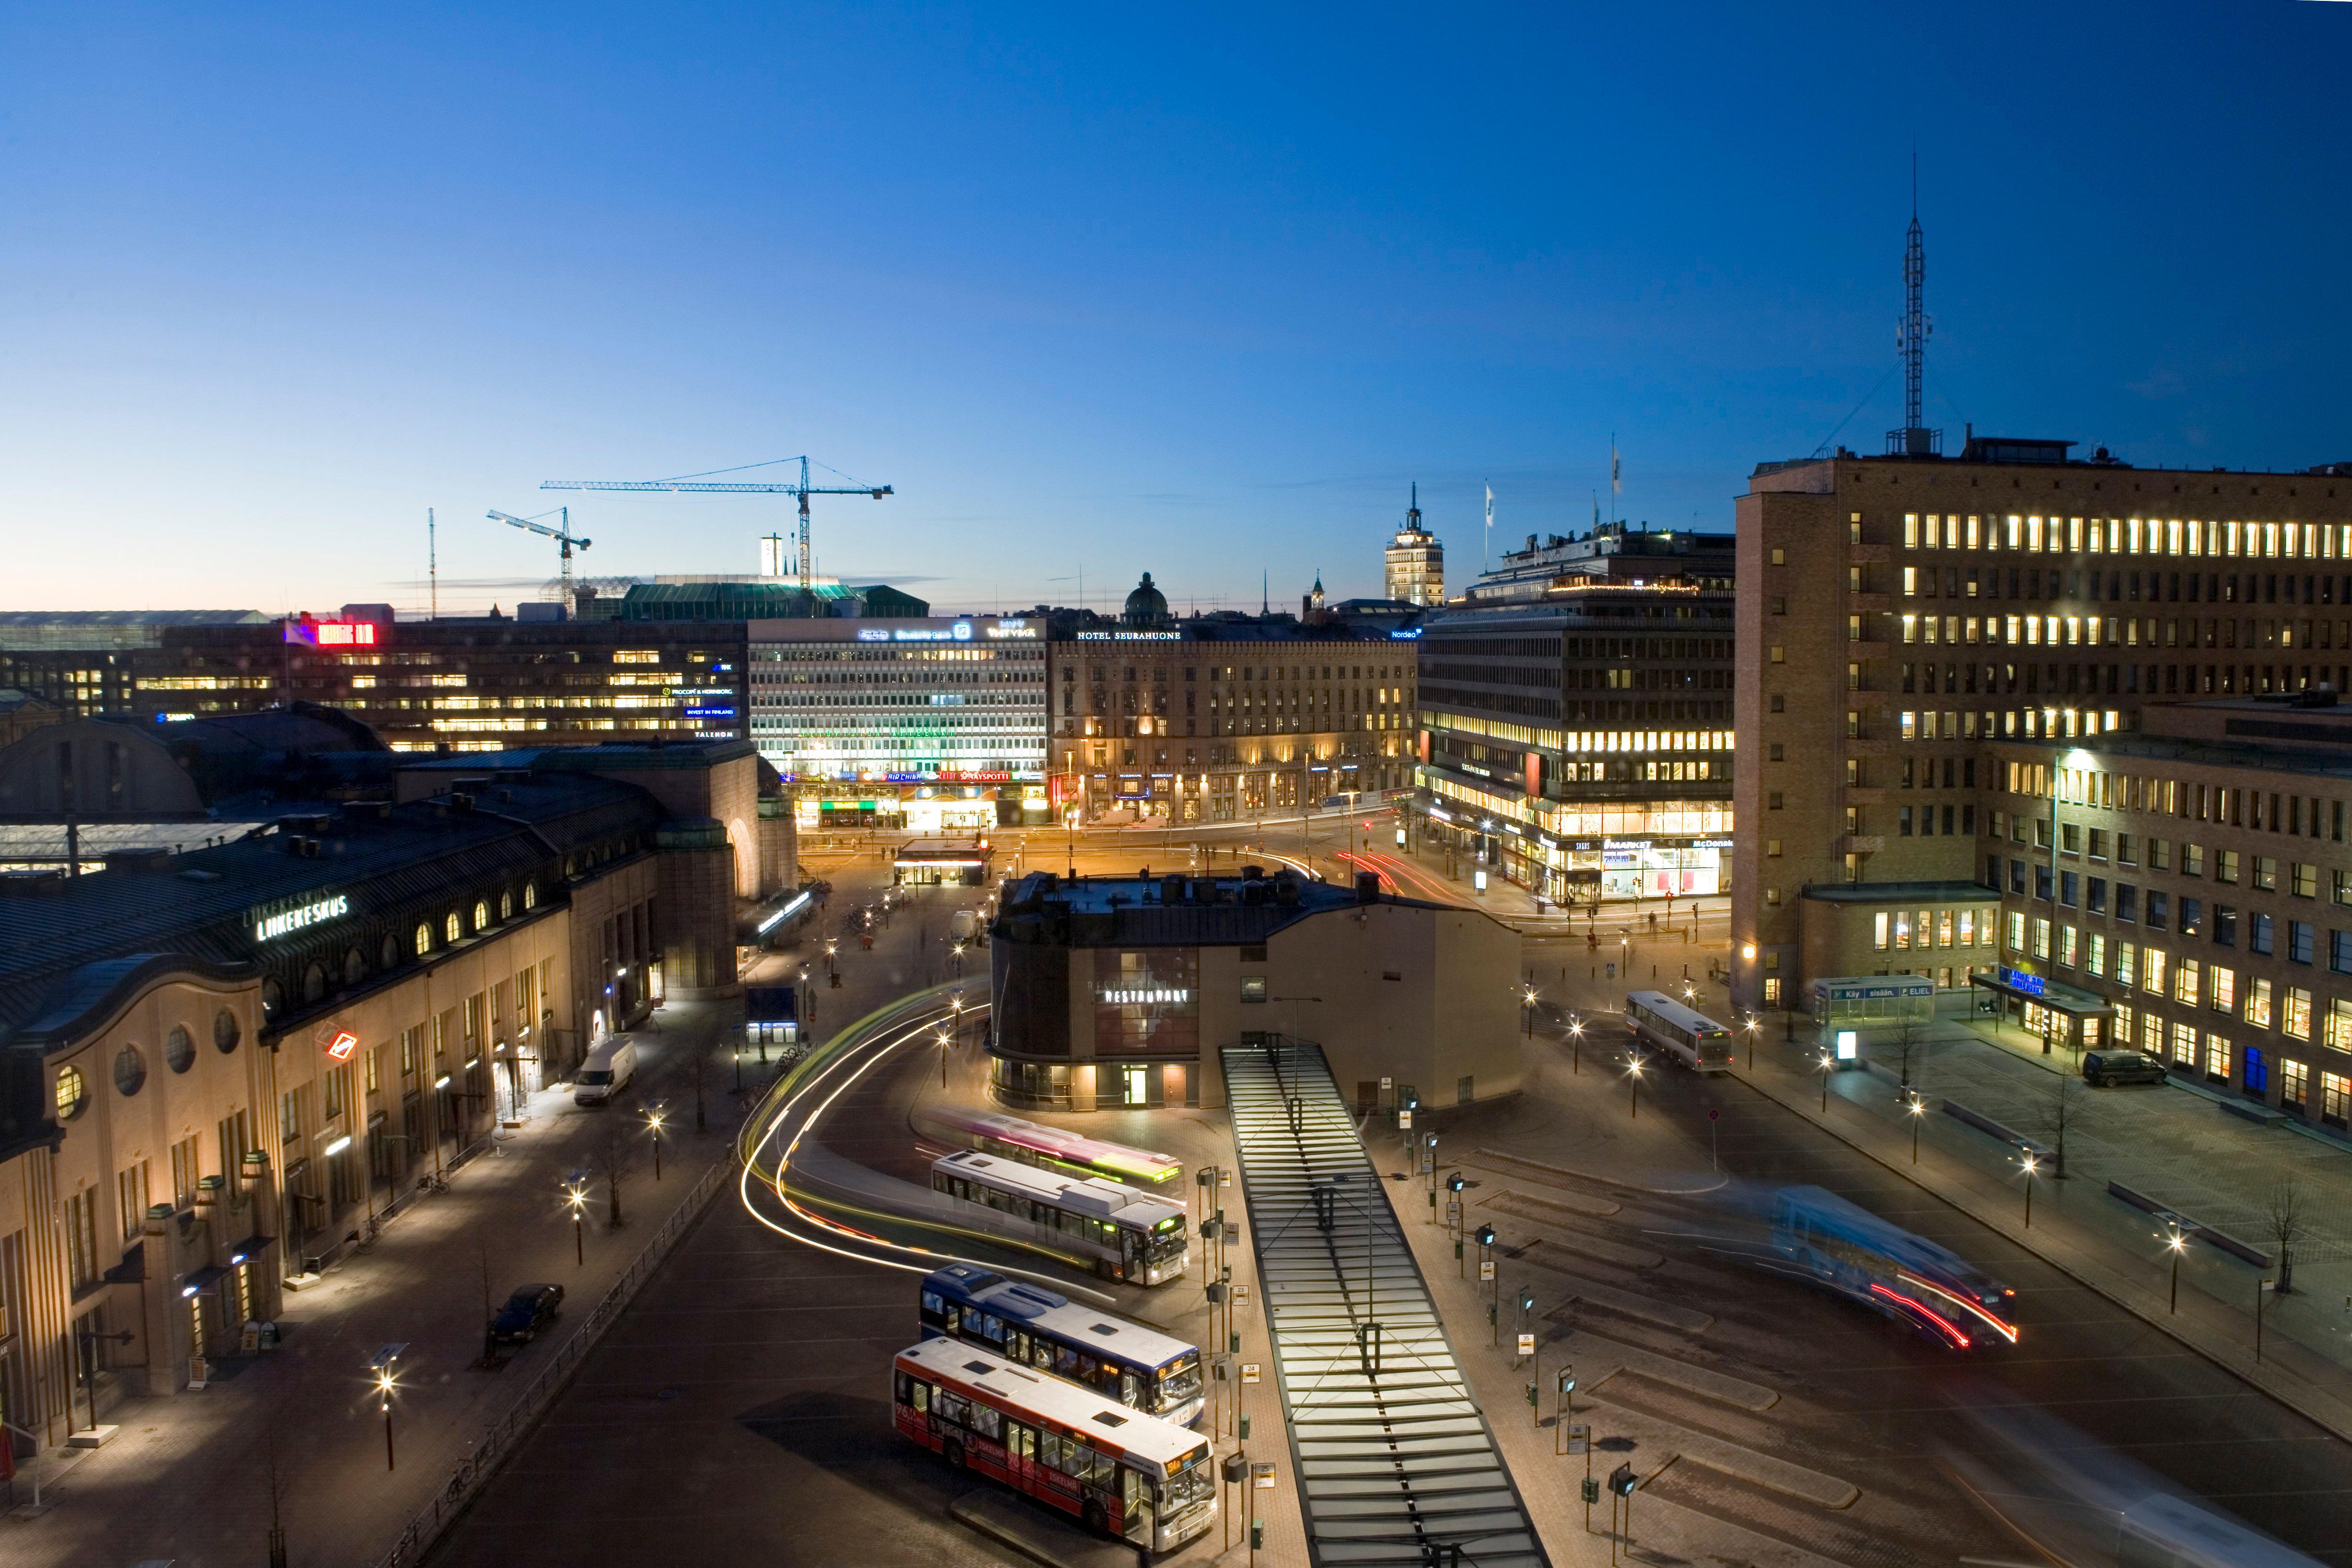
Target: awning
(204, 1279)
(2047, 992)
(251, 1248)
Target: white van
(607, 1071)
(964, 924)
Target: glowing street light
(654, 1126)
(575, 1196)
(2176, 1244)
(2030, 1166)
(1917, 1107)
(1829, 1066)
(1633, 1080)
(1755, 1024)
(1575, 1043)
(385, 1368)
(1527, 1009)
(943, 1058)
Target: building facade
(1576, 717)
(216, 1065)
(479, 684)
(1415, 562)
(1900, 615)
(1118, 993)
(1219, 718)
(932, 724)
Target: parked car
(607, 1072)
(526, 1311)
(2102, 1068)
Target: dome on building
(1147, 607)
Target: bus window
(1130, 1389)
(1020, 1441)
(988, 1423)
(1135, 1502)
(1049, 1449)
(922, 1397)
(903, 1381)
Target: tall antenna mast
(433, 562)
(1913, 440)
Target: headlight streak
(874, 1051)
(2004, 1330)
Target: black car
(526, 1311)
(2101, 1067)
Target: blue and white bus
(1851, 1251)
(1141, 1368)
(1690, 1036)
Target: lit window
(73, 1093)
(424, 940)
(450, 926)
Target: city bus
(1141, 1368)
(1059, 1149)
(1123, 1234)
(1846, 1248)
(1690, 1036)
(1126, 1474)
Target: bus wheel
(955, 1453)
(1097, 1519)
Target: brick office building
(1899, 616)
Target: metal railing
(506, 1434)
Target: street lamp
(1527, 1009)
(832, 947)
(2176, 1244)
(943, 1058)
(2029, 1167)
(575, 1195)
(1829, 1065)
(738, 1069)
(1754, 1024)
(1575, 1044)
(1917, 1107)
(1634, 1078)
(654, 1127)
(387, 1378)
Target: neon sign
(1174, 994)
(331, 634)
(342, 1045)
(269, 928)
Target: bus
(1059, 1149)
(1848, 1250)
(1126, 1474)
(1122, 1233)
(1141, 1368)
(1691, 1037)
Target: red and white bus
(1125, 1473)
(1074, 1153)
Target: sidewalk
(189, 1477)
(2171, 1144)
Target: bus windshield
(1180, 1379)
(1168, 1242)
(1188, 1481)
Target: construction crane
(803, 491)
(562, 536)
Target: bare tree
(1909, 1032)
(2290, 1224)
(612, 1152)
(2059, 1112)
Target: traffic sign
(1528, 1345)
(1249, 1372)
(1240, 1292)
(1579, 1436)
(1262, 1474)
(1485, 1269)
(1713, 1114)
(1404, 1120)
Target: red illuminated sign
(342, 1045)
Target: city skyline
(1221, 302)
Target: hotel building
(1415, 562)
(1576, 716)
(1906, 622)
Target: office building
(1119, 992)
(936, 724)
(1220, 717)
(1903, 617)
(1575, 708)
(1415, 562)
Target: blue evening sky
(1198, 292)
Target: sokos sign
(300, 917)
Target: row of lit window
(2121, 631)
(2130, 536)
(1906, 929)
(2031, 723)
(2217, 1057)
(2237, 806)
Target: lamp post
(2030, 1166)
(576, 1197)
(1575, 1044)
(1754, 1024)
(943, 1058)
(385, 1369)
(1917, 1107)
(2262, 1288)
(831, 948)
(654, 1128)
(2176, 1244)
(1633, 1080)
(738, 1069)
(1528, 1010)
(1829, 1066)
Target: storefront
(2066, 1018)
(933, 862)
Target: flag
(1616, 469)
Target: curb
(1497, 1159)
(2337, 1422)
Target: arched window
(179, 1047)
(424, 938)
(130, 1071)
(73, 1093)
(530, 895)
(314, 982)
(388, 953)
(450, 926)
(506, 905)
(273, 1001)
(354, 967)
(225, 1033)
(482, 914)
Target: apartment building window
(2188, 980)
(2339, 951)
(131, 1198)
(185, 1169)
(2295, 1083)
(1773, 801)
(2152, 964)
(2334, 1089)
(2265, 874)
(234, 1133)
(2222, 989)
(2184, 1044)
(2305, 881)
(2295, 1013)
(2298, 941)
(2217, 1058)
(2258, 934)
(2040, 938)
(2258, 1002)
(81, 1237)
(2016, 931)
